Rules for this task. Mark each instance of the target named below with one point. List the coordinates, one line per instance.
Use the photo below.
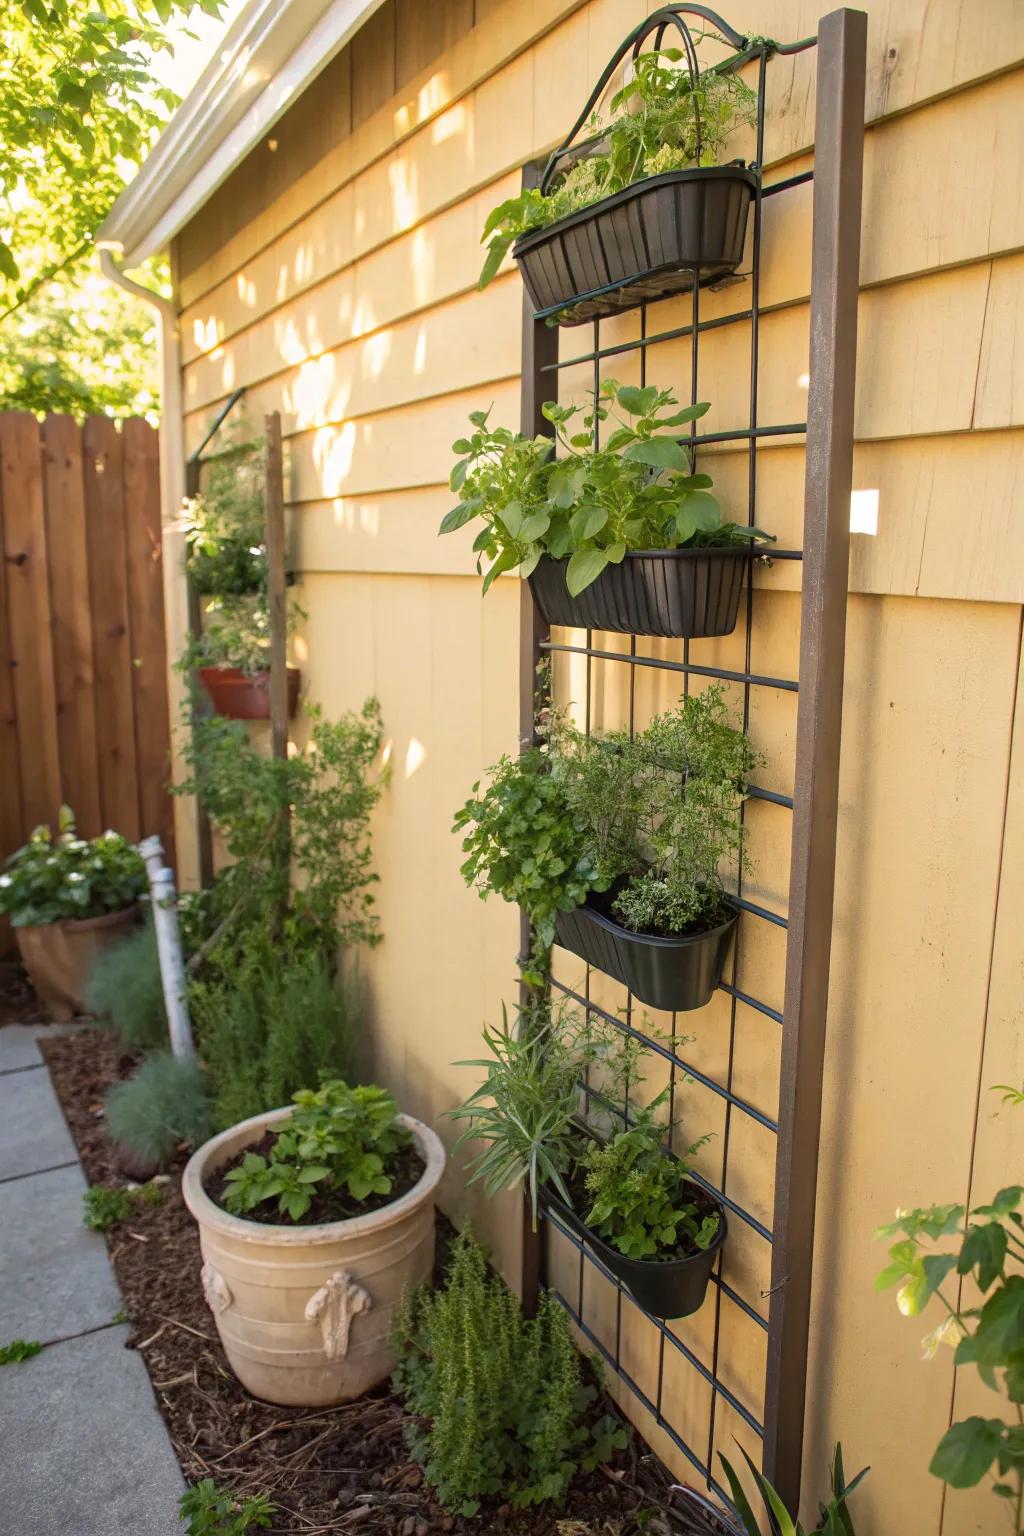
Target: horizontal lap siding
(344, 295)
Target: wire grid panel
(695, 1385)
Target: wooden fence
(83, 662)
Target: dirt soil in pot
(335, 1470)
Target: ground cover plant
(163, 1106)
(342, 1152)
(938, 1249)
(210, 1510)
(590, 505)
(500, 1402)
(339, 1468)
(663, 119)
(18, 1350)
(124, 988)
(56, 878)
(104, 1205)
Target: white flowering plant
(54, 878)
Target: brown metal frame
(837, 181)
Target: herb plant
(520, 843)
(210, 1510)
(104, 1206)
(834, 1519)
(499, 1403)
(658, 812)
(55, 879)
(642, 1204)
(343, 1140)
(267, 1023)
(661, 120)
(936, 1250)
(590, 506)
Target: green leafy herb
(338, 1140)
(589, 506)
(656, 121)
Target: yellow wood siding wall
(334, 276)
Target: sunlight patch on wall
(864, 511)
(376, 352)
(419, 361)
(415, 756)
(404, 193)
(332, 454)
(246, 290)
(449, 124)
(316, 396)
(422, 266)
(205, 333)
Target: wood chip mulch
(336, 1470)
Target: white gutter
(172, 493)
(270, 53)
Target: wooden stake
(274, 504)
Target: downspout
(172, 493)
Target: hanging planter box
(663, 1287)
(646, 242)
(673, 974)
(240, 697)
(683, 594)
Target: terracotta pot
(59, 956)
(305, 1314)
(239, 697)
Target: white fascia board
(268, 56)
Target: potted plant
(623, 1193)
(68, 898)
(641, 209)
(613, 845)
(313, 1221)
(231, 658)
(227, 567)
(622, 537)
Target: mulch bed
(18, 1001)
(333, 1470)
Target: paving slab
(33, 1131)
(55, 1277)
(85, 1451)
(18, 1043)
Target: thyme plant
(661, 120)
(499, 1402)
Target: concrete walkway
(83, 1448)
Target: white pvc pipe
(164, 902)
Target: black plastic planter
(682, 594)
(643, 243)
(677, 974)
(662, 1287)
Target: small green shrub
(268, 1024)
(642, 1204)
(18, 1350)
(124, 989)
(339, 1142)
(502, 1396)
(226, 526)
(165, 1103)
(210, 1510)
(103, 1207)
(52, 879)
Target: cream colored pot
(305, 1314)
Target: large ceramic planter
(643, 243)
(240, 697)
(59, 956)
(686, 594)
(305, 1314)
(664, 1288)
(674, 974)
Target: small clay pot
(240, 697)
(59, 956)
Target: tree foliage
(79, 109)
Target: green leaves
(659, 452)
(209, 1510)
(584, 567)
(343, 1139)
(835, 1517)
(55, 878)
(966, 1451)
